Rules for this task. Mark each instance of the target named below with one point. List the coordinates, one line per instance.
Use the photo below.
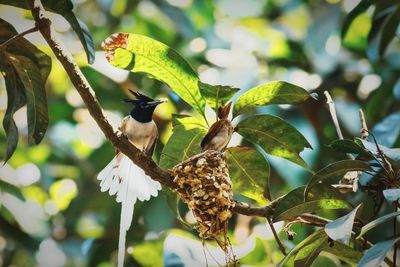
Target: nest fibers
(204, 185)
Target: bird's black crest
(140, 96)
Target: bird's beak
(157, 102)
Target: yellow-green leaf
(139, 53)
(277, 92)
(216, 94)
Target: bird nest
(204, 185)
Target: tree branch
(86, 92)
(122, 144)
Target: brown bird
(220, 132)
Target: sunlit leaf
(336, 169)
(275, 136)
(277, 92)
(216, 94)
(319, 198)
(63, 192)
(139, 53)
(181, 145)
(149, 253)
(360, 8)
(64, 8)
(392, 194)
(371, 225)
(187, 121)
(30, 77)
(249, 172)
(375, 255)
(341, 228)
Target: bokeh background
(51, 210)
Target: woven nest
(204, 185)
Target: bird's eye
(142, 104)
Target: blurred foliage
(52, 213)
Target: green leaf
(11, 189)
(249, 172)
(187, 121)
(360, 8)
(349, 146)
(139, 53)
(64, 8)
(317, 235)
(371, 225)
(25, 48)
(375, 255)
(392, 195)
(307, 254)
(15, 100)
(343, 252)
(181, 145)
(389, 30)
(215, 94)
(31, 78)
(336, 169)
(275, 136)
(149, 252)
(383, 30)
(84, 36)
(277, 92)
(320, 197)
(341, 228)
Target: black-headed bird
(123, 177)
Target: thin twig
(332, 111)
(364, 127)
(277, 239)
(15, 37)
(395, 234)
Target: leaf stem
(15, 37)
(278, 241)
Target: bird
(122, 177)
(220, 133)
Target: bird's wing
(149, 149)
(212, 132)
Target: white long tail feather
(124, 178)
